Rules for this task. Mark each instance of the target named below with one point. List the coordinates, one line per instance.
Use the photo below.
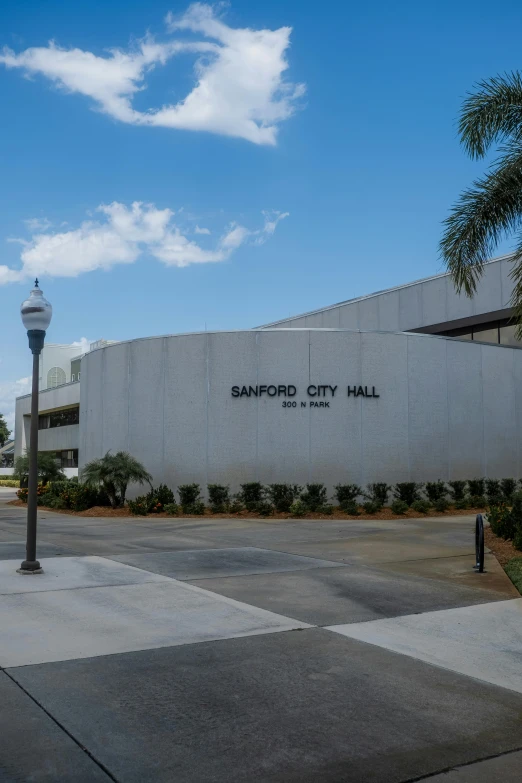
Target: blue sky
(347, 122)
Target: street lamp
(36, 314)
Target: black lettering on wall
(235, 391)
(312, 390)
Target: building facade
(59, 404)
(414, 383)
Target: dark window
(502, 332)
(59, 418)
(68, 459)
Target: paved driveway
(235, 650)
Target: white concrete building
(59, 401)
(415, 383)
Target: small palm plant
(492, 207)
(48, 468)
(113, 473)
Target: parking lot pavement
(186, 650)
(301, 706)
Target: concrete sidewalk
(231, 650)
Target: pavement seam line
(94, 587)
(62, 727)
(463, 766)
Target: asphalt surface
(219, 650)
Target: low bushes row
(9, 483)
(70, 494)
(297, 500)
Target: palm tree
(48, 468)
(492, 207)
(113, 473)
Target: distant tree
(492, 207)
(114, 472)
(4, 431)
(48, 468)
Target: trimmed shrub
(264, 508)
(172, 509)
(219, 497)
(441, 505)
(57, 487)
(351, 508)
(457, 491)
(251, 494)
(399, 506)
(408, 491)
(435, 490)
(57, 503)
(327, 509)
(377, 493)
(198, 508)
(515, 517)
(139, 506)
(371, 507)
(9, 483)
(283, 495)
(420, 506)
(236, 506)
(22, 494)
(298, 508)
(347, 493)
(79, 497)
(164, 495)
(314, 496)
(477, 487)
(508, 487)
(189, 494)
(477, 501)
(461, 504)
(493, 491)
(500, 520)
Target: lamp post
(36, 314)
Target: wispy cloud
(239, 89)
(199, 230)
(37, 224)
(121, 236)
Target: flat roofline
(263, 330)
(370, 296)
(50, 389)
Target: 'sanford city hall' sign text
(323, 391)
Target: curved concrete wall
(446, 408)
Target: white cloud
(199, 230)
(9, 391)
(121, 236)
(239, 87)
(83, 345)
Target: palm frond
(492, 113)
(480, 219)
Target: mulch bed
(384, 515)
(503, 550)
